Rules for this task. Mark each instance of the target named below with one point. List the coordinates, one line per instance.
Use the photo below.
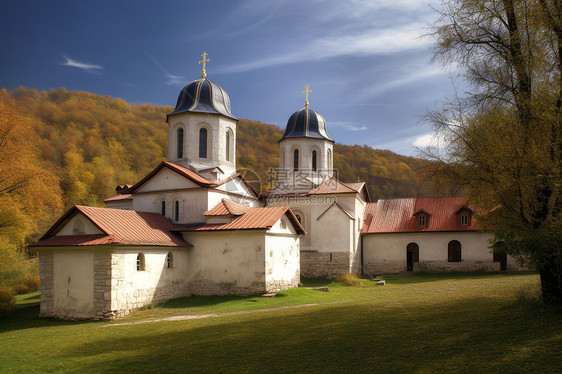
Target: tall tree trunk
(551, 282)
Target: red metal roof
(252, 219)
(125, 227)
(227, 207)
(397, 215)
(189, 174)
(126, 196)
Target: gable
(79, 225)
(237, 186)
(166, 179)
(336, 211)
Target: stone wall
(102, 284)
(46, 273)
(276, 285)
(324, 264)
(464, 265)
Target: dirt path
(199, 316)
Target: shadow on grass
(206, 301)
(432, 277)
(475, 335)
(25, 317)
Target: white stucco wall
(132, 288)
(79, 221)
(126, 204)
(73, 271)
(386, 253)
(227, 262)
(216, 141)
(282, 257)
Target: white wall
(227, 262)
(79, 221)
(386, 253)
(282, 257)
(73, 282)
(132, 288)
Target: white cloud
(173, 80)
(90, 68)
(430, 140)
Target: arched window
(296, 160)
(314, 161)
(228, 146)
(329, 159)
(299, 218)
(203, 143)
(180, 142)
(163, 208)
(169, 260)
(176, 211)
(282, 160)
(140, 262)
(454, 249)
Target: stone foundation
(206, 287)
(276, 285)
(464, 265)
(324, 264)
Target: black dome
(306, 123)
(203, 96)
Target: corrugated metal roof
(397, 215)
(252, 219)
(227, 207)
(126, 196)
(125, 227)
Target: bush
(30, 283)
(349, 280)
(7, 298)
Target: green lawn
(423, 323)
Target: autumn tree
(29, 194)
(504, 136)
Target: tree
(504, 136)
(29, 194)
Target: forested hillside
(88, 144)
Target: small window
(169, 260)
(176, 211)
(329, 159)
(203, 143)
(299, 218)
(464, 219)
(140, 262)
(423, 220)
(296, 160)
(454, 251)
(314, 161)
(227, 146)
(163, 208)
(180, 142)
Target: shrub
(30, 283)
(349, 280)
(7, 298)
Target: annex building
(193, 226)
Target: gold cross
(204, 55)
(306, 91)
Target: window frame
(141, 262)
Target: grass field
(427, 323)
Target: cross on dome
(205, 60)
(306, 91)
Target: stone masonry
(46, 271)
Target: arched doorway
(412, 255)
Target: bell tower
(306, 151)
(202, 129)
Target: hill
(92, 143)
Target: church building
(194, 226)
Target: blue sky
(365, 61)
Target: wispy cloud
(349, 126)
(430, 140)
(90, 68)
(173, 80)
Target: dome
(306, 123)
(203, 96)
